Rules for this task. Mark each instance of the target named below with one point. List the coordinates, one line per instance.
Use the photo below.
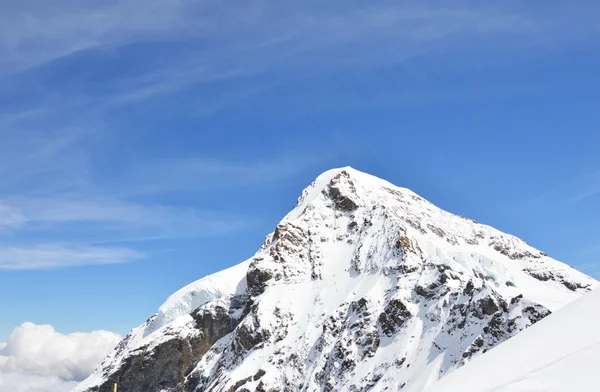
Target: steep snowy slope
(362, 286)
(561, 353)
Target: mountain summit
(363, 286)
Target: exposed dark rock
(216, 322)
(424, 292)
(548, 275)
(416, 224)
(360, 306)
(238, 384)
(539, 275)
(404, 243)
(256, 278)
(452, 240)
(250, 339)
(167, 365)
(470, 287)
(370, 344)
(439, 232)
(573, 286)
(394, 315)
(259, 374)
(474, 348)
(488, 306)
(341, 201)
(472, 241)
(516, 299)
(287, 235)
(409, 269)
(536, 312)
(512, 254)
(262, 387)
(400, 362)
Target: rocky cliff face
(363, 286)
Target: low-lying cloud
(23, 382)
(36, 358)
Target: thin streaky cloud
(167, 81)
(35, 33)
(570, 192)
(311, 42)
(590, 187)
(194, 174)
(19, 116)
(244, 31)
(49, 180)
(87, 218)
(49, 256)
(585, 195)
(248, 40)
(45, 159)
(106, 213)
(113, 220)
(59, 190)
(11, 217)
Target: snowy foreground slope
(363, 286)
(561, 353)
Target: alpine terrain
(363, 286)
(559, 354)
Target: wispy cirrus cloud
(57, 210)
(56, 163)
(11, 217)
(37, 32)
(55, 232)
(172, 175)
(228, 54)
(570, 192)
(40, 159)
(241, 40)
(48, 256)
(115, 220)
(589, 186)
(298, 28)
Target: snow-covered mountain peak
(362, 286)
(374, 216)
(348, 188)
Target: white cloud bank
(23, 382)
(36, 358)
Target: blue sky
(145, 144)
